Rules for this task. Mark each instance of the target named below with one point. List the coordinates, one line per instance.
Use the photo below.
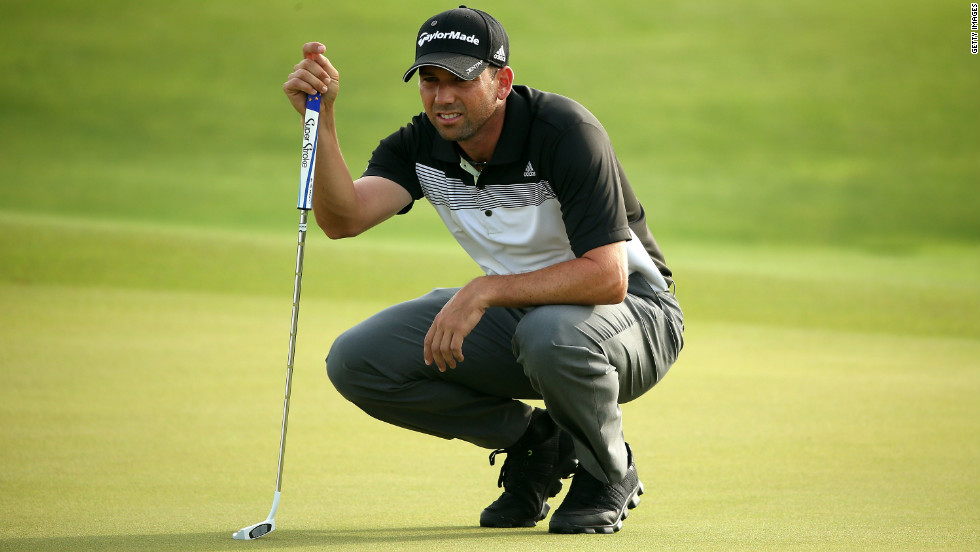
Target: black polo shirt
(553, 190)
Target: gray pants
(583, 361)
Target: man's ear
(505, 81)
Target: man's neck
(479, 149)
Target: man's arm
(342, 207)
(596, 278)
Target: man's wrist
(482, 288)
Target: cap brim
(464, 67)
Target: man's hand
(313, 75)
(599, 277)
(444, 341)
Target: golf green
(141, 412)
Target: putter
(304, 204)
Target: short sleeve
(394, 159)
(587, 178)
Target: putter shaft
(297, 289)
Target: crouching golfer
(574, 308)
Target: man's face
(458, 108)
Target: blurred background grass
(799, 122)
(811, 169)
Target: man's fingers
(315, 70)
(431, 348)
(435, 351)
(441, 348)
(328, 67)
(445, 350)
(313, 49)
(427, 355)
(313, 74)
(297, 84)
(456, 348)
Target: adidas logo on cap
(500, 56)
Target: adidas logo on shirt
(500, 55)
(529, 171)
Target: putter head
(255, 531)
(264, 528)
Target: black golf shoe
(531, 475)
(594, 507)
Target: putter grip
(311, 126)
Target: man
(574, 308)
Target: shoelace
(505, 468)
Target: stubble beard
(471, 123)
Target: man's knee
(549, 333)
(342, 362)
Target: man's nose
(445, 93)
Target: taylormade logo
(451, 35)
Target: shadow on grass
(281, 538)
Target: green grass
(141, 408)
(802, 122)
(810, 169)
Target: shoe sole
(633, 502)
(500, 522)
